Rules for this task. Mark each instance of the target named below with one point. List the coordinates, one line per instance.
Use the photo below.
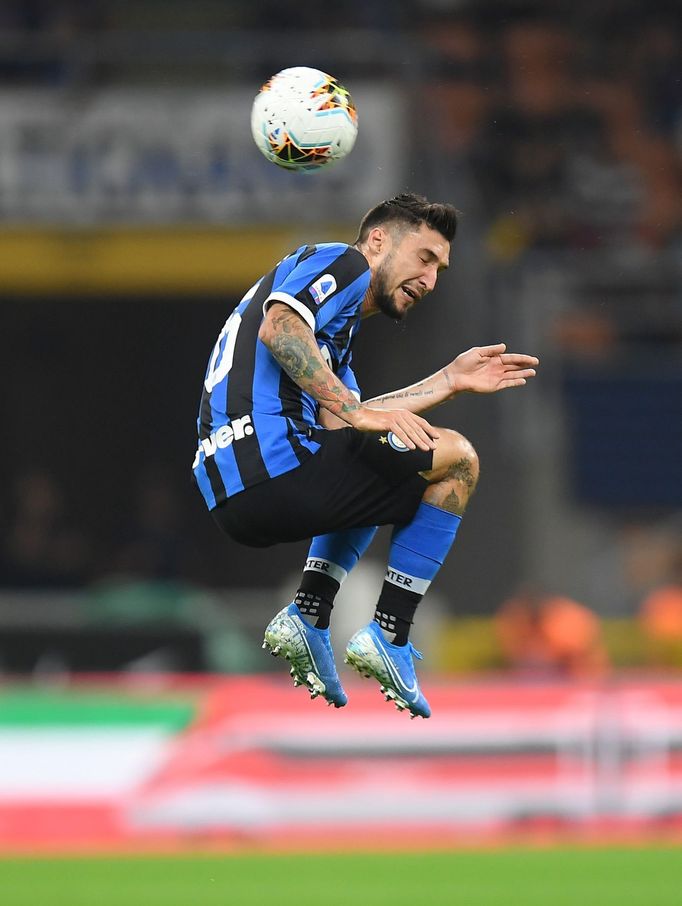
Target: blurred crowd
(543, 634)
(45, 545)
(573, 125)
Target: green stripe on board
(28, 708)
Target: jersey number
(220, 365)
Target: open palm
(485, 369)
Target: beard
(381, 295)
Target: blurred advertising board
(168, 761)
(133, 192)
(179, 156)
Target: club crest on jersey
(396, 443)
(324, 286)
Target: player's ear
(377, 239)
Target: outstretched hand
(485, 369)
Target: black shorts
(355, 479)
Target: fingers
(518, 380)
(429, 429)
(515, 374)
(413, 430)
(515, 382)
(416, 432)
(414, 441)
(515, 358)
(514, 378)
(490, 351)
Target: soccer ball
(302, 119)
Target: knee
(455, 459)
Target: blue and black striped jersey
(255, 422)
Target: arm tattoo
(293, 354)
(419, 397)
(295, 349)
(409, 393)
(447, 380)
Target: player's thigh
(370, 478)
(354, 479)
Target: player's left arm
(482, 369)
(326, 418)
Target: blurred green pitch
(528, 877)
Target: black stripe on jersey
(291, 396)
(307, 252)
(341, 340)
(205, 415)
(212, 470)
(247, 452)
(345, 270)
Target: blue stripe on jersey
(211, 470)
(347, 375)
(266, 390)
(309, 444)
(225, 461)
(204, 485)
(254, 421)
(316, 271)
(273, 431)
(327, 315)
(307, 268)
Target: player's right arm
(482, 369)
(293, 345)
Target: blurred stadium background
(136, 707)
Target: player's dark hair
(411, 210)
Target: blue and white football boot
(310, 653)
(370, 654)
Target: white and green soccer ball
(302, 119)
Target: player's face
(409, 269)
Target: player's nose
(428, 279)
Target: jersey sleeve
(347, 376)
(325, 280)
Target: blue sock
(417, 552)
(330, 558)
(337, 553)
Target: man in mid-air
(288, 451)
